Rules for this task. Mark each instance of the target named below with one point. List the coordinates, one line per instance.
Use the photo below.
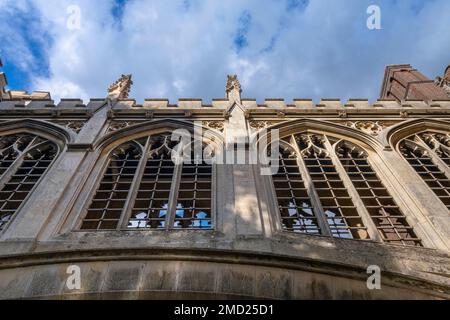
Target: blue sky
(185, 48)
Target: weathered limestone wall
(247, 255)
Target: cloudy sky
(185, 48)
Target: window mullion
(318, 210)
(360, 207)
(173, 196)
(434, 157)
(11, 170)
(131, 197)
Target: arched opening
(24, 159)
(154, 182)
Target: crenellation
(275, 103)
(445, 104)
(416, 104)
(220, 103)
(185, 103)
(40, 104)
(249, 103)
(71, 104)
(330, 103)
(304, 103)
(24, 95)
(155, 103)
(124, 104)
(357, 103)
(95, 104)
(386, 104)
(298, 105)
(7, 104)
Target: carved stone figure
(444, 82)
(233, 88)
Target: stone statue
(444, 82)
(233, 89)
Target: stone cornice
(218, 256)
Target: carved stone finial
(121, 88)
(444, 81)
(233, 88)
(3, 83)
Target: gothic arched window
(24, 158)
(144, 187)
(326, 186)
(297, 213)
(382, 208)
(105, 210)
(429, 155)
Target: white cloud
(177, 50)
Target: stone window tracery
(297, 213)
(428, 153)
(388, 218)
(332, 178)
(24, 159)
(144, 188)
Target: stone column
(248, 220)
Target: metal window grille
(193, 210)
(32, 156)
(439, 143)
(106, 208)
(296, 210)
(152, 202)
(341, 213)
(388, 218)
(421, 161)
(150, 185)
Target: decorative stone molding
(438, 142)
(342, 114)
(261, 124)
(370, 127)
(73, 125)
(404, 114)
(314, 145)
(215, 125)
(444, 81)
(119, 125)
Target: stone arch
(41, 128)
(136, 135)
(366, 141)
(403, 130)
(159, 126)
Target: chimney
(403, 82)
